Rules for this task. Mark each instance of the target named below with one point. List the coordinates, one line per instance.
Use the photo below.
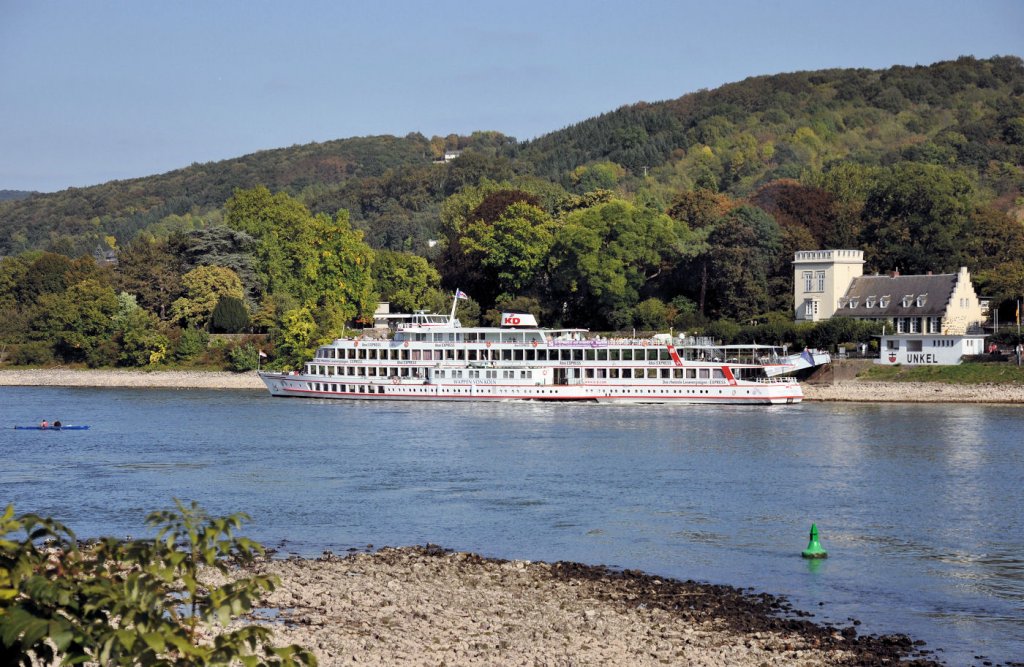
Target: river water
(921, 507)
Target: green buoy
(814, 549)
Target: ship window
(517, 355)
(677, 373)
(691, 373)
(613, 354)
(627, 354)
(577, 355)
(652, 373)
(531, 355)
(613, 373)
(591, 355)
(602, 373)
(589, 373)
(717, 373)
(665, 372)
(627, 372)
(528, 375)
(704, 373)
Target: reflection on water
(920, 507)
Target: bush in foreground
(132, 603)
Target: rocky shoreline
(429, 606)
(847, 390)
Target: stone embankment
(427, 606)
(913, 392)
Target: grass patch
(965, 373)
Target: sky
(95, 90)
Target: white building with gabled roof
(932, 318)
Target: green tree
(510, 250)
(603, 256)
(914, 219)
(78, 322)
(319, 262)
(138, 333)
(742, 250)
(229, 316)
(404, 280)
(152, 273)
(204, 288)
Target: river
(921, 507)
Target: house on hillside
(931, 319)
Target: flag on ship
(459, 294)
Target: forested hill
(966, 112)
(966, 115)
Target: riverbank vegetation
(681, 214)
(134, 602)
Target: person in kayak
(44, 424)
(57, 424)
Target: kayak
(52, 428)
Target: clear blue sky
(96, 90)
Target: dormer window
(884, 301)
(907, 300)
(921, 300)
(843, 301)
(853, 302)
(870, 303)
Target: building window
(808, 281)
(870, 303)
(907, 300)
(810, 308)
(853, 302)
(934, 325)
(884, 301)
(921, 299)
(821, 281)
(915, 325)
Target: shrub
(132, 603)
(229, 316)
(37, 353)
(244, 357)
(191, 344)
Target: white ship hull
(742, 393)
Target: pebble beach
(428, 606)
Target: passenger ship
(434, 358)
